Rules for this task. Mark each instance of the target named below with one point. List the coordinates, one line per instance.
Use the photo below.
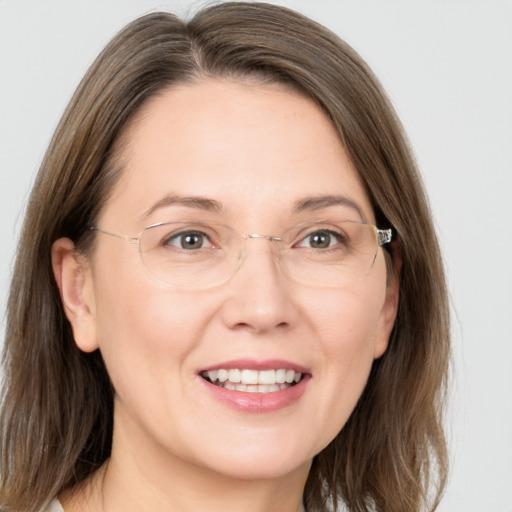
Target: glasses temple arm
(122, 237)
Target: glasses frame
(384, 236)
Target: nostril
(257, 326)
(241, 326)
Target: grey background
(447, 65)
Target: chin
(262, 459)
(269, 468)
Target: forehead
(257, 148)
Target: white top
(54, 506)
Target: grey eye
(189, 240)
(320, 240)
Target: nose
(259, 298)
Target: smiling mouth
(253, 381)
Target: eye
(321, 239)
(189, 240)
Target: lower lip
(258, 402)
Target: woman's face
(245, 156)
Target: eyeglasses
(199, 255)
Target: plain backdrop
(447, 66)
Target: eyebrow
(320, 202)
(211, 205)
(199, 202)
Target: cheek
(347, 324)
(347, 338)
(144, 331)
(349, 320)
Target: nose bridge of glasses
(269, 238)
(265, 237)
(260, 259)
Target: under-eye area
(253, 381)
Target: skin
(175, 446)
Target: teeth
(280, 376)
(253, 381)
(235, 376)
(249, 377)
(267, 377)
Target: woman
(228, 291)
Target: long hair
(57, 402)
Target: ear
(390, 308)
(73, 277)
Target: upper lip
(255, 364)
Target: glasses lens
(330, 253)
(189, 254)
(201, 255)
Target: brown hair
(57, 404)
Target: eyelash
(181, 235)
(338, 238)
